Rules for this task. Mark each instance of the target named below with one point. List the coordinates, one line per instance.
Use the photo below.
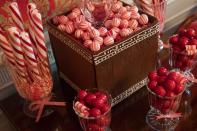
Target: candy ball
(124, 32)
(135, 15)
(84, 25)
(78, 33)
(95, 46)
(133, 23)
(86, 36)
(124, 23)
(99, 40)
(122, 10)
(62, 27)
(112, 33)
(72, 16)
(126, 15)
(143, 19)
(116, 7)
(77, 11)
(87, 43)
(108, 24)
(69, 27)
(80, 19)
(63, 19)
(94, 33)
(116, 22)
(102, 31)
(108, 40)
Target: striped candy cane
(16, 15)
(30, 54)
(6, 47)
(31, 7)
(18, 52)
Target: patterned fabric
(48, 8)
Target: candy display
(183, 51)
(93, 108)
(121, 22)
(165, 90)
(27, 59)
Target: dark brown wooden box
(120, 69)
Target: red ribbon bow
(39, 105)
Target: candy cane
(16, 15)
(18, 52)
(30, 54)
(6, 47)
(31, 7)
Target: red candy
(124, 23)
(84, 25)
(99, 40)
(125, 32)
(162, 71)
(89, 98)
(63, 19)
(126, 15)
(70, 27)
(116, 22)
(108, 24)
(87, 43)
(77, 11)
(170, 85)
(133, 24)
(143, 20)
(152, 84)
(86, 36)
(112, 33)
(95, 112)
(62, 27)
(78, 33)
(153, 75)
(55, 20)
(95, 46)
(109, 40)
(82, 94)
(174, 39)
(102, 31)
(94, 33)
(160, 91)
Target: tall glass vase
(157, 10)
(34, 85)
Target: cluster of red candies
(180, 58)
(94, 105)
(165, 88)
(122, 21)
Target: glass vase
(34, 85)
(101, 123)
(96, 11)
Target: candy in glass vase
(96, 11)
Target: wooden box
(120, 68)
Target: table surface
(129, 115)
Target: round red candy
(170, 85)
(95, 112)
(174, 39)
(98, 103)
(153, 75)
(191, 32)
(89, 98)
(178, 89)
(82, 94)
(105, 108)
(172, 76)
(162, 71)
(152, 84)
(160, 91)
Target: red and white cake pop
(124, 23)
(143, 20)
(69, 27)
(124, 32)
(78, 33)
(99, 40)
(133, 23)
(63, 19)
(116, 22)
(95, 46)
(102, 31)
(87, 43)
(94, 33)
(108, 40)
(62, 27)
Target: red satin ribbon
(171, 115)
(39, 105)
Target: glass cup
(101, 123)
(162, 106)
(96, 11)
(33, 84)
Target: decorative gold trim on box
(117, 48)
(132, 89)
(110, 52)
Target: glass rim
(167, 97)
(151, 4)
(93, 118)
